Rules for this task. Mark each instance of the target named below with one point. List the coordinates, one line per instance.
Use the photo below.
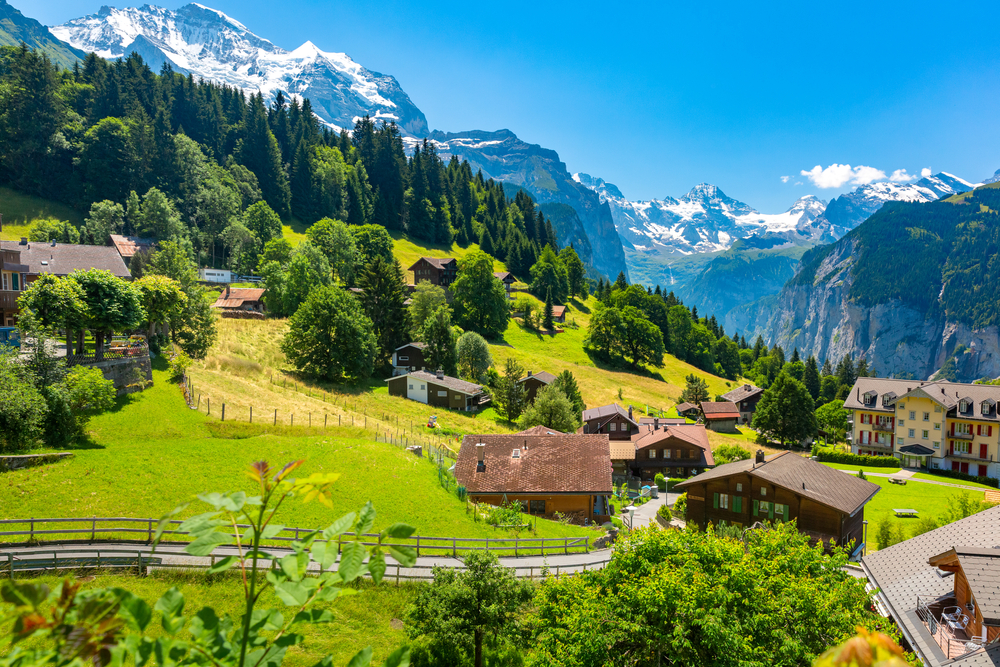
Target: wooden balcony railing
(961, 436)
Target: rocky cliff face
(896, 340)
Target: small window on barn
(422, 387)
(763, 491)
(652, 453)
(612, 426)
(516, 454)
(443, 394)
(739, 487)
(411, 386)
(537, 507)
(402, 358)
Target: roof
(720, 410)
(606, 411)
(558, 311)
(917, 450)
(684, 407)
(982, 571)
(462, 386)
(540, 430)
(416, 344)
(948, 394)
(572, 464)
(802, 476)
(902, 572)
(662, 420)
(504, 275)
(541, 376)
(62, 259)
(127, 246)
(742, 393)
(622, 450)
(436, 262)
(234, 297)
(691, 434)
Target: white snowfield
(205, 42)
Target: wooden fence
(142, 530)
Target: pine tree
(827, 368)
(261, 155)
(486, 242)
(301, 185)
(795, 355)
(759, 349)
(547, 323)
(811, 378)
(621, 283)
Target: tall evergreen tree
(547, 322)
(811, 378)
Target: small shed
(534, 382)
(720, 416)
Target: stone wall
(129, 375)
(16, 462)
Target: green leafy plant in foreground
(105, 627)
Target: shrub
(728, 453)
(462, 493)
(508, 514)
(661, 483)
(925, 524)
(673, 481)
(980, 479)
(179, 364)
(858, 460)
(664, 512)
(680, 506)
(861, 474)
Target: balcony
(969, 456)
(953, 641)
(961, 436)
(8, 299)
(883, 428)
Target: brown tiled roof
(436, 262)
(63, 259)
(236, 296)
(720, 410)
(663, 420)
(541, 376)
(622, 450)
(902, 572)
(800, 475)
(558, 311)
(540, 430)
(743, 392)
(948, 394)
(462, 386)
(127, 246)
(982, 571)
(691, 434)
(503, 275)
(684, 407)
(606, 411)
(548, 464)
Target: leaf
(164, 522)
(405, 556)
(141, 649)
(289, 467)
(366, 519)
(314, 616)
(205, 545)
(270, 531)
(376, 565)
(362, 659)
(399, 531)
(352, 557)
(171, 606)
(324, 553)
(204, 622)
(136, 612)
(399, 658)
(223, 565)
(201, 524)
(292, 593)
(339, 527)
(294, 565)
(24, 595)
(215, 499)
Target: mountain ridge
(16, 28)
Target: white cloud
(785, 179)
(925, 172)
(900, 176)
(839, 175)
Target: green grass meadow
(21, 210)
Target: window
(912, 433)
(937, 408)
(902, 405)
(937, 426)
(423, 387)
(458, 397)
(402, 358)
(964, 429)
(779, 511)
(612, 426)
(411, 386)
(961, 447)
(739, 488)
(4, 276)
(443, 394)
(677, 453)
(724, 501)
(13, 281)
(913, 415)
(870, 398)
(764, 509)
(925, 434)
(652, 453)
(666, 453)
(524, 506)
(537, 507)
(937, 445)
(900, 442)
(927, 416)
(902, 422)
(963, 405)
(763, 491)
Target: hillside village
(498, 423)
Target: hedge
(858, 460)
(955, 474)
(673, 481)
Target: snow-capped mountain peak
(212, 45)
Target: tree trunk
(79, 342)
(69, 342)
(99, 346)
(479, 648)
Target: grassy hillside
(20, 211)
(408, 251)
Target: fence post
(199, 402)
(93, 527)
(566, 544)
(140, 563)
(55, 560)
(292, 419)
(454, 551)
(325, 417)
(10, 566)
(223, 412)
(251, 414)
(515, 546)
(418, 546)
(310, 420)
(32, 538)
(397, 574)
(275, 416)
(149, 538)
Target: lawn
(372, 617)
(21, 210)
(153, 453)
(920, 475)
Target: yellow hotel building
(933, 425)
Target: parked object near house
(746, 398)
(569, 474)
(720, 416)
(941, 590)
(21, 262)
(215, 275)
(559, 314)
(241, 299)
(408, 358)
(507, 278)
(128, 246)
(675, 450)
(435, 270)
(826, 503)
(612, 419)
(534, 382)
(931, 425)
(438, 389)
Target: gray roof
(902, 572)
(542, 376)
(62, 259)
(742, 392)
(982, 570)
(800, 475)
(606, 411)
(948, 394)
(418, 345)
(462, 386)
(917, 450)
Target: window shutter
(738, 504)
(770, 514)
(979, 429)
(715, 501)
(953, 428)
(989, 431)
(786, 513)
(982, 451)
(756, 507)
(951, 446)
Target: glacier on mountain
(209, 44)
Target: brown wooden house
(688, 410)
(674, 450)
(241, 298)
(559, 314)
(569, 474)
(435, 270)
(534, 382)
(611, 419)
(826, 504)
(720, 416)
(976, 588)
(408, 358)
(507, 278)
(437, 389)
(746, 398)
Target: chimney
(747, 387)
(24, 240)
(481, 457)
(53, 243)
(630, 412)
(440, 374)
(529, 373)
(656, 423)
(227, 291)
(760, 457)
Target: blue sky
(657, 97)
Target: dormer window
(516, 454)
(870, 397)
(963, 405)
(987, 406)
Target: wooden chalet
(674, 450)
(976, 589)
(827, 504)
(437, 389)
(435, 270)
(129, 246)
(720, 416)
(408, 358)
(534, 382)
(559, 314)
(611, 419)
(241, 299)
(688, 410)
(507, 278)
(569, 474)
(746, 398)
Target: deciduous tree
(330, 337)
(383, 297)
(785, 412)
(440, 337)
(474, 357)
(550, 409)
(480, 299)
